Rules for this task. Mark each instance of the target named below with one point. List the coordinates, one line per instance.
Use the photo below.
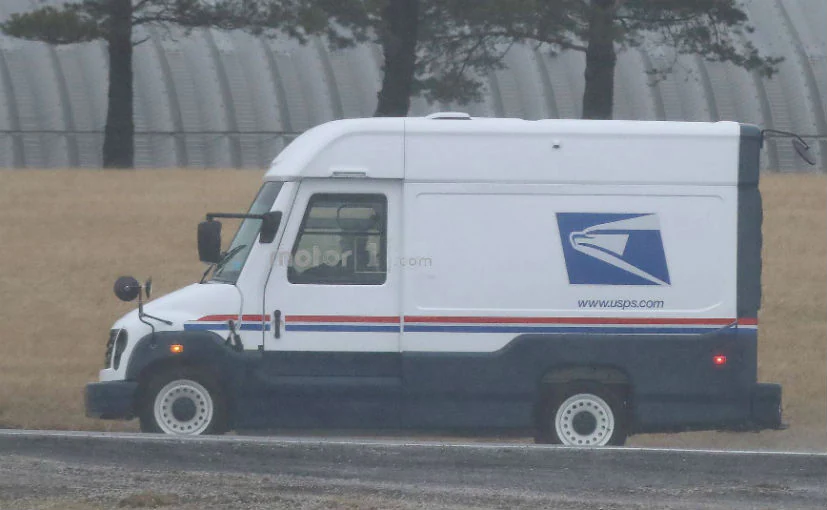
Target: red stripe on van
(218, 318)
(225, 318)
(255, 318)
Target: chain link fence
(253, 150)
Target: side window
(342, 241)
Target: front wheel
(583, 414)
(183, 402)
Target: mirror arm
(800, 146)
(141, 318)
(212, 216)
(785, 133)
(168, 323)
(142, 314)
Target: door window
(342, 241)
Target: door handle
(277, 323)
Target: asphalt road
(96, 470)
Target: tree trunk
(399, 38)
(119, 136)
(598, 98)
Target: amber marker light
(176, 348)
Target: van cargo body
(584, 280)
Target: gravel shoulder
(80, 473)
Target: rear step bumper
(765, 407)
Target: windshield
(229, 269)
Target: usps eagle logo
(613, 249)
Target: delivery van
(577, 280)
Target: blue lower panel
(318, 411)
(674, 383)
(478, 413)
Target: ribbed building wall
(217, 99)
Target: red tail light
(719, 360)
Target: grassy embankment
(68, 234)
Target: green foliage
(711, 29)
(88, 20)
(65, 25)
(77, 21)
(459, 41)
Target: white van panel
(515, 150)
(497, 250)
(374, 147)
(571, 151)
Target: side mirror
(127, 288)
(803, 150)
(269, 226)
(209, 241)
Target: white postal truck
(583, 280)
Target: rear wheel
(583, 414)
(183, 402)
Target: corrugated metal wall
(215, 99)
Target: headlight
(120, 345)
(110, 347)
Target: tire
(183, 401)
(583, 414)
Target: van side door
(331, 355)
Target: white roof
(454, 148)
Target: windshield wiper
(224, 260)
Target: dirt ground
(90, 471)
(69, 234)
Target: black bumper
(113, 400)
(765, 407)
(756, 408)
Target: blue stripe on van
(555, 329)
(225, 327)
(342, 328)
(502, 325)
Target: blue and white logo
(613, 249)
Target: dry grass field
(68, 234)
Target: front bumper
(111, 400)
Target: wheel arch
(602, 380)
(203, 351)
(197, 349)
(608, 375)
